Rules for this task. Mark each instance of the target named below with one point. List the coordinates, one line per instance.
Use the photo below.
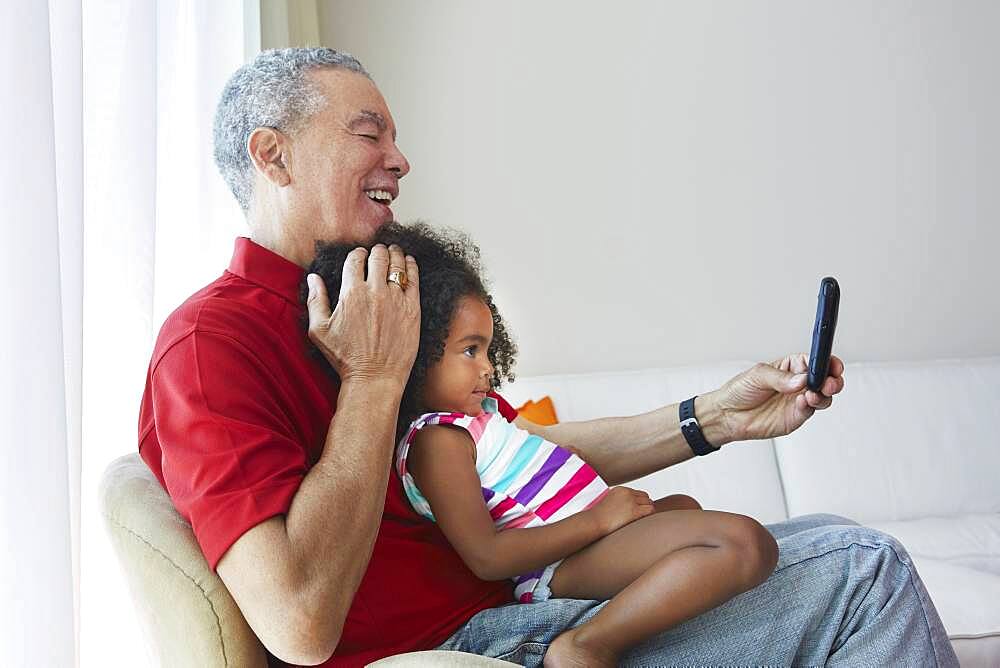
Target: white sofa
(912, 449)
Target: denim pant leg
(841, 594)
(803, 522)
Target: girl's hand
(621, 506)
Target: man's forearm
(335, 515)
(625, 448)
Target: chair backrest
(185, 609)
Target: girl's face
(459, 381)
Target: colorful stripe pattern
(526, 480)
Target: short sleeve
(508, 412)
(230, 456)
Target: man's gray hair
(271, 91)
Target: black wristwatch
(692, 430)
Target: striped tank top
(526, 480)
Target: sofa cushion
(904, 440)
(966, 599)
(972, 541)
(742, 478)
(958, 558)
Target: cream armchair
(184, 608)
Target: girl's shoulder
(439, 429)
(434, 420)
(475, 425)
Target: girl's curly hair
(450, 268)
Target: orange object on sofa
(540, 412)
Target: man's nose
(396, 162)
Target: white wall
(656, 184)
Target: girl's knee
(755, 549)
(677, 502)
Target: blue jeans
(842, 594)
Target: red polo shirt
(234, 414)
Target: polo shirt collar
(264, 267)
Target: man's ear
(268, 149)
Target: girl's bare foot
(568, 651)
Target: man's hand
(770, 400)
(374, 331)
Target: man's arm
(765, 401)
(294, 578)
(649, 442)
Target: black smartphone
(826, 323)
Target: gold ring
(398, 277)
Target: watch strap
(692, 430)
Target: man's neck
(268, 230)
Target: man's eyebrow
(368, 116)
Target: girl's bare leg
(658, 571)
(676, 502)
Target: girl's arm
(442, 461)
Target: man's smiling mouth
(381, 196)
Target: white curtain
(112, 214)
(36, 571)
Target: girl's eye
(471, 351)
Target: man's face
(346, 167)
